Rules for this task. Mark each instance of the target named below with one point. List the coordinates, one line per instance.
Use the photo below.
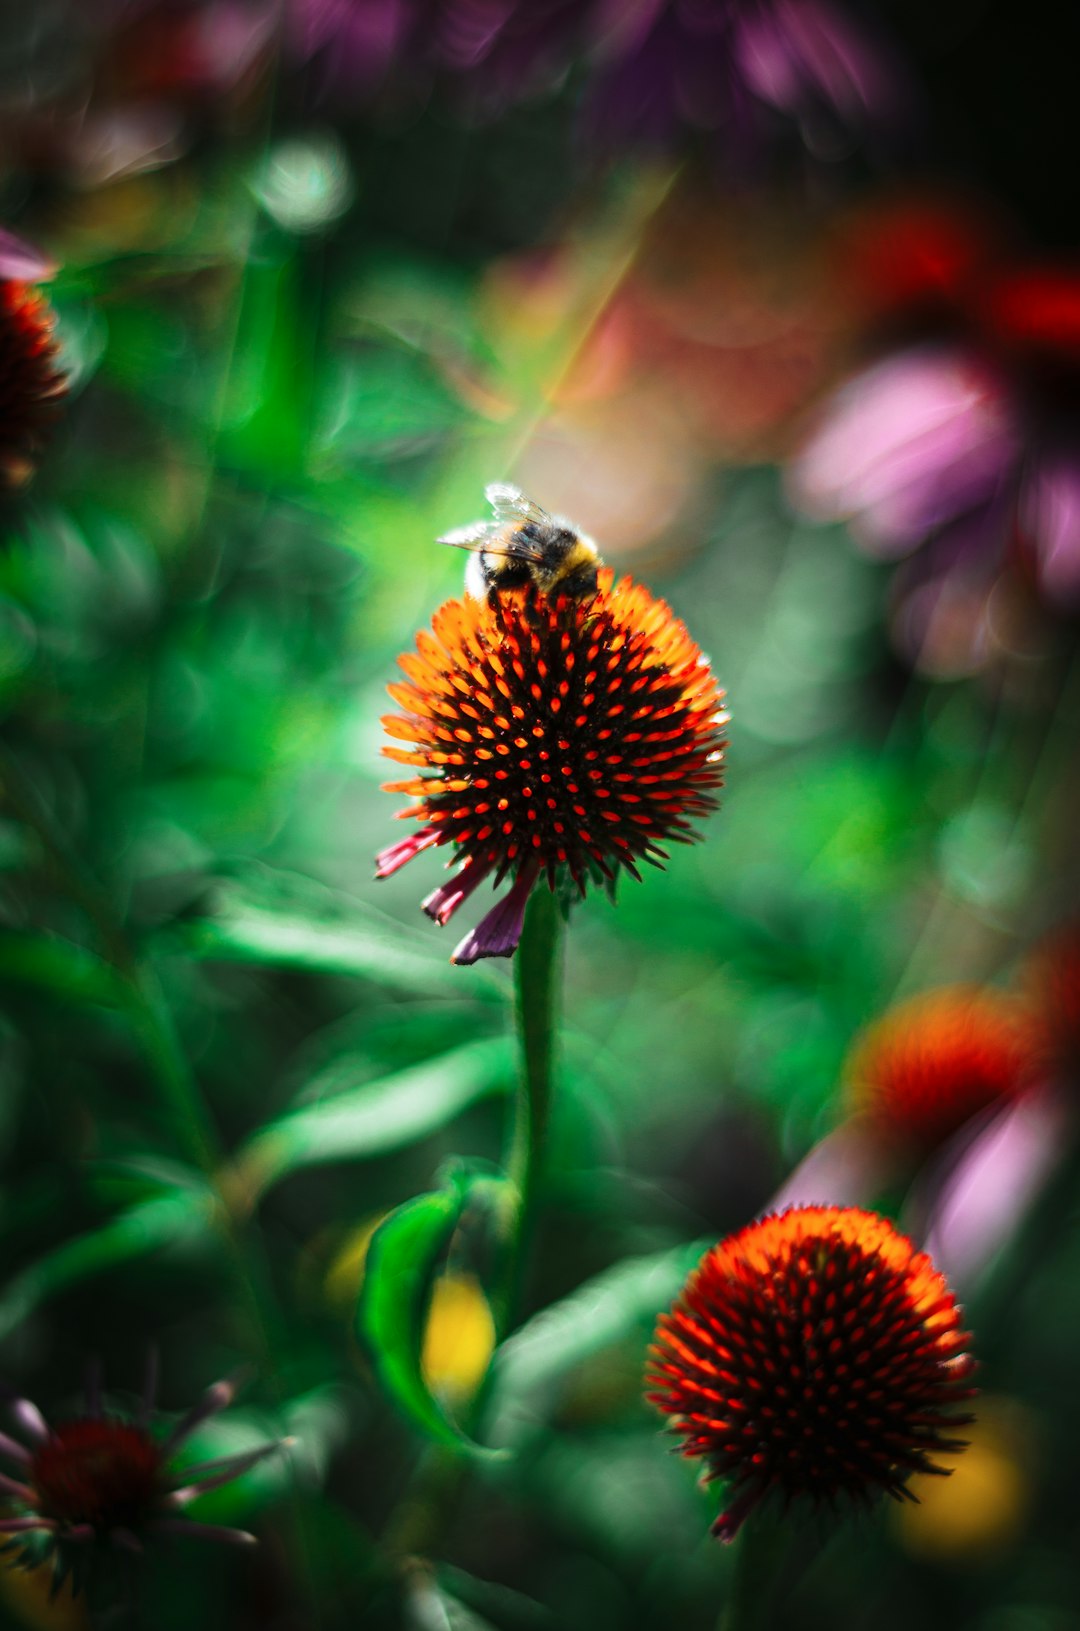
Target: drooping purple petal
(794, 51)
(218, 1397)
(389, 860)
(13, 1487)
(21, 262)
(208, 1475)
(14, 1450)
(443, 902)
(1050, 521)
(845, 1168)
(908, 445)
(994, 1181)
(20, 1526)
(498, 933)
(30, 1419)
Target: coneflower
(552, 736)
(103, 1478)
(815, 1354)
(31, 379)
(931, 1063)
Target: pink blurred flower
(908, 446)
(961, 441)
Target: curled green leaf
(403, 1259)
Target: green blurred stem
(759, 1556)
(416, 1526)
(535, 978)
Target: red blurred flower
(931, 1063)
(102, 1478)
(31, 381)
(557, 735)
(814, 1354)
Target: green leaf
(403, 1258)
(178, 1218)
(59, 966)
(603, 1311)
(363, 943)
(378, 1116)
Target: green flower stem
(416, 1526)
(760, 1550)
(536, 975)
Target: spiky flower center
(97, 1471)
(815, 1353)
(557, 731)
(31, 381)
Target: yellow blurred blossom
(459, 1338)
(981, 1507)
(25, 1594)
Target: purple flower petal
(497, 934)
(30, 1419)
(791, 51)
(389, 860)
(994, 1181)
(443, 902)
(13, 1450)
(845, 1169)
(218, 1397)
(907, 446)
(208, 1475)
(1050, 518)
(21, 262)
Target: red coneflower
(932, 1062)
(558, 735)
(815, 1353)
(31, 380)
(104, 1478)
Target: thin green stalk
(414, 1528)
(759, 1557)
(535, 978)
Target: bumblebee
(524, 544)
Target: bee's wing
(473, 536)
(493, 538)
(510, 504)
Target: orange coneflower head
(552, 734)
(931, 1063)
(31, 379)
(815, 1353)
